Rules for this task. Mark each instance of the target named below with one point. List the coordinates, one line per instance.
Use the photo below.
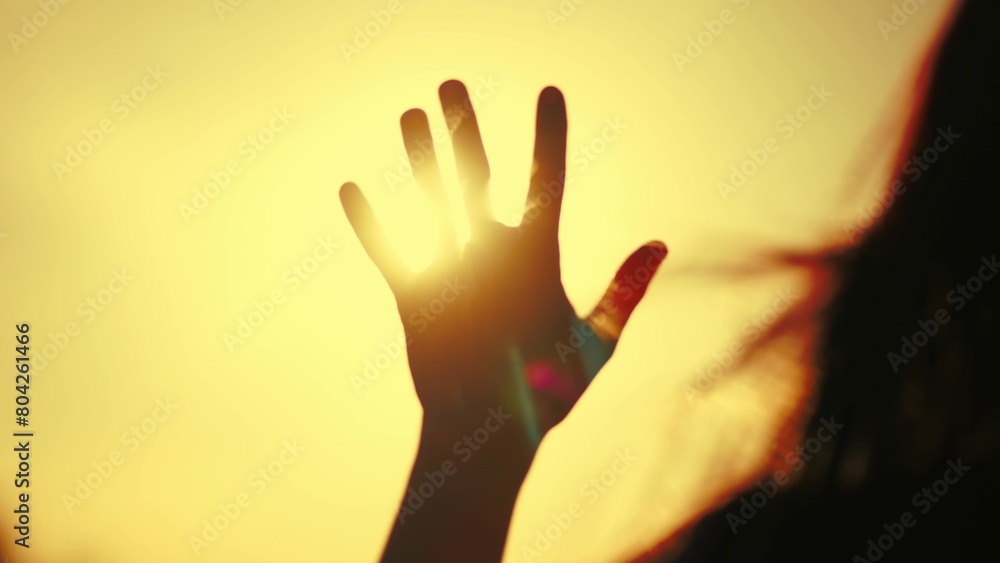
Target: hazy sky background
(118, 232)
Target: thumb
(623, 294)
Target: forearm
(461, 493)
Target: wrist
(461, 493)
(490, 445)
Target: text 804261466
(22, 381)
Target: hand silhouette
(490, 324)
(490, 334)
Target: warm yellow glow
(267, 87)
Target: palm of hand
(490, 324)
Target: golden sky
(170, 172)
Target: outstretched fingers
(548, 170)
(371, 235)
(626, 290)
(419, 145)
(470, 155)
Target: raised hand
(490, 323)
(494, 346)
